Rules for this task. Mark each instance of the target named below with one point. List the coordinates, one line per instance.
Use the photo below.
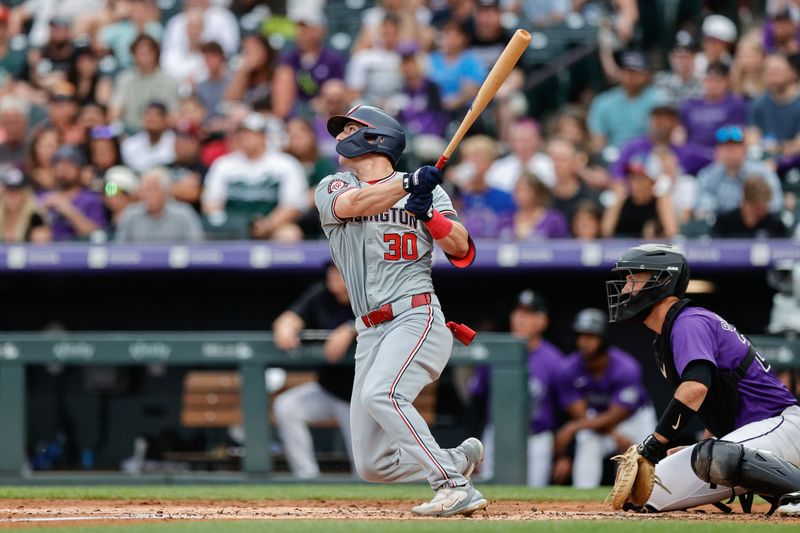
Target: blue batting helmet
(382, 134)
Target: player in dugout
(752, 421)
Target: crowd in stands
(146, 121)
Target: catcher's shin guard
(732, 465)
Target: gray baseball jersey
(385, 258)
(381, 257)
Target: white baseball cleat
(473, 449)
(452, 501)
(789, 504)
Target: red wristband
(439, 226)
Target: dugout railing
(250, 353)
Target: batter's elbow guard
(730, 464)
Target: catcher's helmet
(382, 134)
(591, 322)
(669, 276)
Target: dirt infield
(18, 513)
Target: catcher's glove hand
(635, 479)
(420, 205)
(423, 180)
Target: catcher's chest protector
(721, 406)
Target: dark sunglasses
(728, 134)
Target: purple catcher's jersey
(544, 364)
(700, 334)
(620, 384)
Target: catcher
(719, 376)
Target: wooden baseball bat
(500, 71)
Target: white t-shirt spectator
(504, 173)
(140, 155)
(254, 188)
(219, 24)
(375, 73)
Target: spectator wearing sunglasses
(721, 183)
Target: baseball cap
(729, 134)
(532, 301)
(720, 28)
(69, 152)
(187, 128)
(254, 122)
(120, 178)
(718, 68)
(634, 60)
(60, 21)
(684, 41)
(637, 166)
(12, 178)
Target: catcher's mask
(382, 134)
(669, 276)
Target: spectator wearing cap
(20, 217)
(187, 171)
(702, 117)
(534, 217)
(569, 189)
(90, 84)
(13, 62)
(252, 81)
(373, 74)
(141, 84)
(781, 34)
(620, 114)
(219, 25)
(664, 120)
(679, 83)
(720, 183)
(485, 211)
(154, 145)
(211, 90)
(14, 126)
(489, 38)
(752, 218)
(186, 65)
(775, 116)
(259, 189)
(305, 67)
(157, 217)
(637, 212)
(419, 104)
(141, 17)
(457, 71)
(525, 142)
(528, 322)
(120, 185)
(719, 37)
(75, 211)
(53, 61)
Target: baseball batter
(382, 225)
(719, 375)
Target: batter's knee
(366, 469)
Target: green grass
(289, 492)
(432, 526)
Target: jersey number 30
(400, 246)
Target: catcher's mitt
(635, 479)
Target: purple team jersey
(544, 364)
(698, 333)
(87, 202)
(621, 384)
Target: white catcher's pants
(591, 447)
(540, 457)
(300, 406)
(679, 488)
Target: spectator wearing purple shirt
(663, 122)
(486, 212)
(716, 373)
(529, 320)
(534, 218)
(702, 117)
(601, 389)
(75, 211)
(304, 68)
(420, 103)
